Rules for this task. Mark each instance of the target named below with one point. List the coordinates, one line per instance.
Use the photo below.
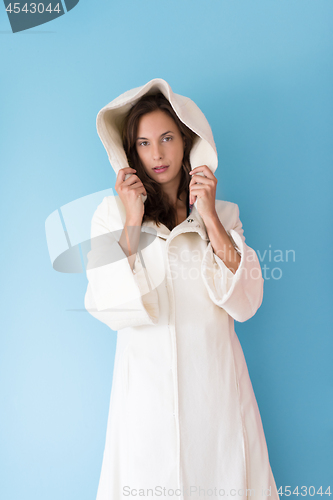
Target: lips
(161, 168)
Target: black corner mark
(70, 4)
(97, 252)
(25, 15)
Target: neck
(171, 190)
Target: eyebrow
(164, 133)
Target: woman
(183, 419)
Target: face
(160, 144)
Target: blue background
(262, 72)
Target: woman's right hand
(129, 192)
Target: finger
(131, 180)
(139, 184)
(195, 193)
(123, 172)
(136, 185)
(142, 190)
(192, 198)
(199, 191)
(205, 170)
(127, 169)
(201, 168)
(197, 196)
(200, 179)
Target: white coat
(183, 419)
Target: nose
(157, 151)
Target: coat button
(189, 220)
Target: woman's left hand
(204, 190)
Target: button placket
(172, 331)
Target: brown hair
(157, 205)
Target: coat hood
(110, 119)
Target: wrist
(212, 221)
(133, 221)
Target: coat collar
(193, 223)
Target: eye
(167, 138)
(143, 143)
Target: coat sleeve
(116, 295)
(239, 294)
